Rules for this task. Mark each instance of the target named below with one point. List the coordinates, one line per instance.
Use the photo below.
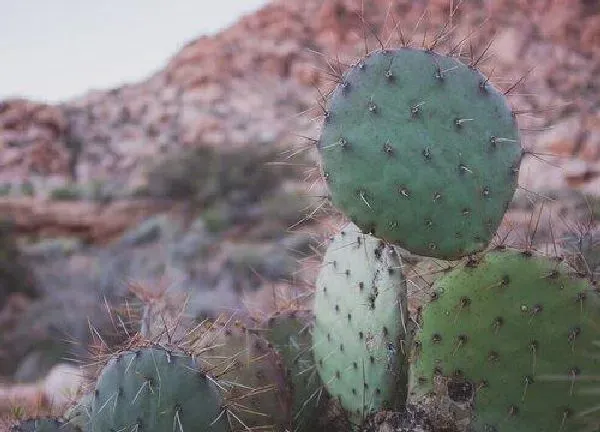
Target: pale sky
(53, 50)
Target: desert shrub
(27, 189)
(5, 189)
(66, 193)
(14, 273)
(207, 175)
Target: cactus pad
(155, 390)
(79, 415)
(249, 370)
(43, 425)
(290, 334)
(422, 151)
(514, 335)
(359, 334)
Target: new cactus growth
(513, 334)
(43, 425)
(422, 151)
(155, 390)
(359, 335)
(290, 334)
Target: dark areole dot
(388, 149)
(460, 390)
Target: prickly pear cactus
(512, 333)
(249, 370)
(422, 151)
(43, 425)
(80, 414)
(155, 390)
(290, 334)
(359, 335)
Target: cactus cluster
(420, 152)
(223, 377)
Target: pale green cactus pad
(359, 334)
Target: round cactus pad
(422, 151)
(516, 336)
(155, 390)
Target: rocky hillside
(181, 181)
(249, 83)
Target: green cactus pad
(79, 415)
(290, 334)
(422, 151)
(250, 371)
(155, 390)
(359, 334)
(43, 425)
(513, 334)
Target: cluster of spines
(250, 370)
(290, 333)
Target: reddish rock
(590, 34)
(93, 222)
(249, 83)
(590, 149)
(32, 132)
(561, 139)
